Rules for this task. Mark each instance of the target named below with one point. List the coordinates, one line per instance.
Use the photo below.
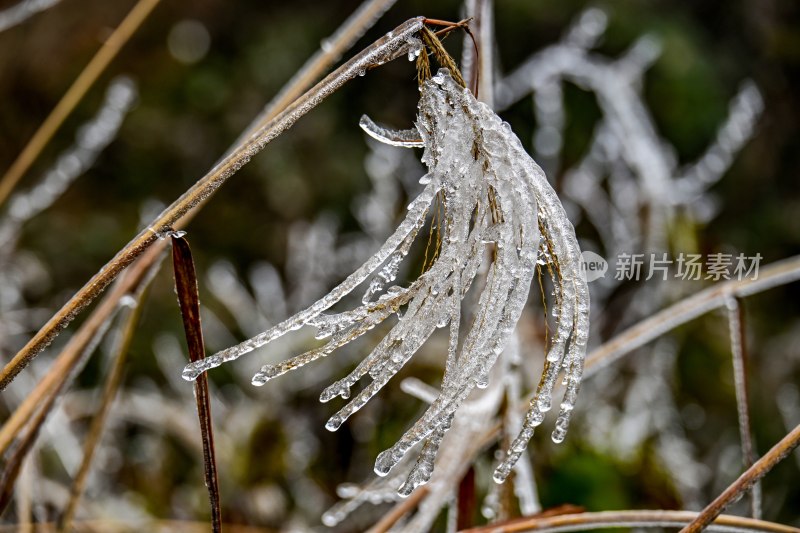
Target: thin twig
(75, 94)
(774, 275)
(745, 481)
(739, 356)
(384, 49)
(189, 301)
(630, 519)
(112, 385)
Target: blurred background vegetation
(192, 106)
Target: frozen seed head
(492, 194)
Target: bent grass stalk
(736, 324)
(384, 49)
(629, 519)
(774, 275)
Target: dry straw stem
(24, 445)
(629, 519)
(98, 421)
(384, 49)
(14, 462)
(189, 301)
(736, 324)
(746, 481)
(70, 356)
(774, 275)
(74, 95)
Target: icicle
(414, 219)
(403, 138)
(423, 469)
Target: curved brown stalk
(746, 481)
(630, 519)
(75, 94)
(153, 525)
(384, 49)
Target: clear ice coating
(493, 195)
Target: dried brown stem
(110, 389)
(739, 356)
(151, 526)
(70, 356)
(75, 94)
(466, 500)
(384, 49)
(630, 519)
(745, 481)
(189, 301)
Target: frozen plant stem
(739, 356)
(384, 49)
(22, 11)
(746, 481)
